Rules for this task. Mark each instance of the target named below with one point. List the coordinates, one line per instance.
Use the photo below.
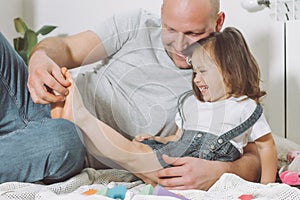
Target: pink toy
(246, 197)
(292, 155)
(290, 178)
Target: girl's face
(207, 77)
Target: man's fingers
(176, 183)
(46, 88)
(56, 86)
(175, 170)
(35, 97)
(169, 172)
(174, 161)
(171, 182)
(41, 94)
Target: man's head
(187, 21)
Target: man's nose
(181, 42)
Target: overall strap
(244, 126)
(180, 101)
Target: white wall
(265, 38)
(263, 34)
(73, 16)
(8, 11)
(293, 80)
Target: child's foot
(64, 109)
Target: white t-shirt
(222, 116)
(137, 90)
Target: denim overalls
(204, 145)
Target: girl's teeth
(203, 87)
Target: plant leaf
(46, 29)
(23, 56)
(20, 26)
(31, 40)
(19, 44)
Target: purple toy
(160, 191)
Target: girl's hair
(239, 69)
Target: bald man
(137, 88)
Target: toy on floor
(160, 191)
(117, 192)
(147, 190)
(290, 174)
(246, 197)
(120, 192)
(90, 192)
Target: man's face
(183, 23)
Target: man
(34, 147)
(137, 90)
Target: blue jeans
(33, 146)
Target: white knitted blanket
(229, 186)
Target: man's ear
(220, 21)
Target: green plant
(24, 45)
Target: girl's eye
(200, 72)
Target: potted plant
(29, 38)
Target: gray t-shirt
(137, 90)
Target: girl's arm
(268, 156)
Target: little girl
(215, 121)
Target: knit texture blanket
(229, 186)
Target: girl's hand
(142, 137)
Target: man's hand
(197, 173)
(190, 173)
(46, 82)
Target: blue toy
(117, 192)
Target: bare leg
(102, 140)
(57, 108)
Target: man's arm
(195, 173)
(50, 54)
